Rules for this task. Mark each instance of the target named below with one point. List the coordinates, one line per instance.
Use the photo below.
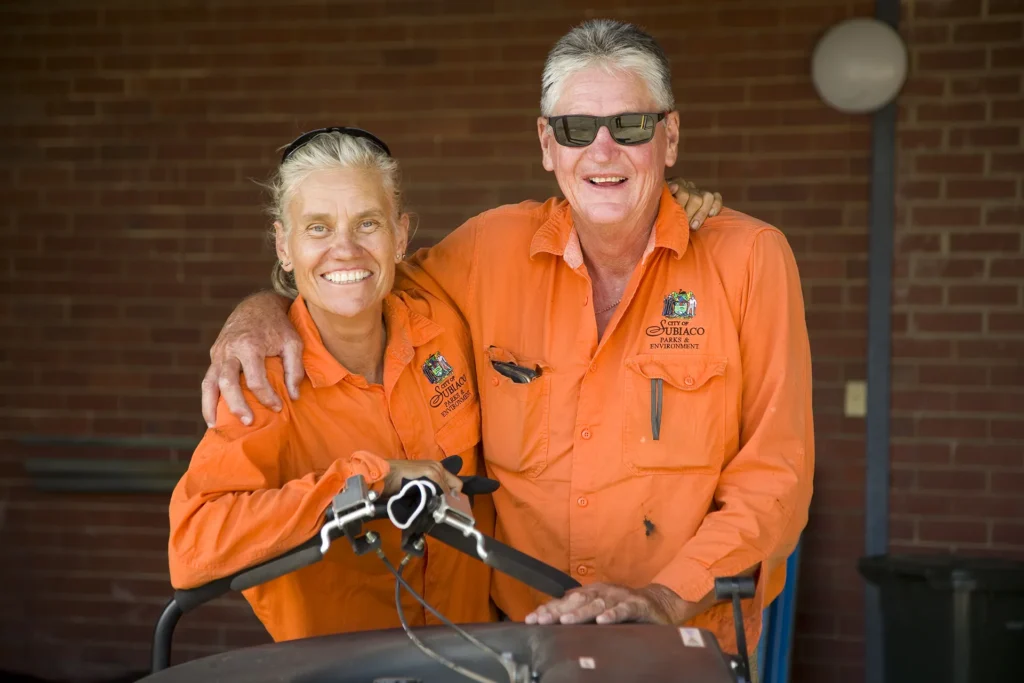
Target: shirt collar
(557, 235)
(406, 330)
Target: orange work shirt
(713, 321)
(253, 492)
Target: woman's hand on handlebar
(416, 469)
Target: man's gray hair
(609, 44)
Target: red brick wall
(131, 133)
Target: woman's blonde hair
(326, 151)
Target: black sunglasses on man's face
(344, 130)
(579, 130)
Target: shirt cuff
(687, 578)
(373, 468)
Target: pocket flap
(687, 374)
(497, 353)
(462, 431)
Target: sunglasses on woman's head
(579, 130)
(344, 130)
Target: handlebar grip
(306, 554)
(302, 556)
(727, 586)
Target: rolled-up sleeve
(233, 509)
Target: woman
(374, 360)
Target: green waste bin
(950, 619)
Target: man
(664, 435)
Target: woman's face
(343, 241)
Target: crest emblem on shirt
(680, 304)
(437, 369)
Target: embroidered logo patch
(449, 391)
(676, 330)
(680, 304)
(437, 369)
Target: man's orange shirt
(713, 322)
(252, 493)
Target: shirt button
(593, 367)
(581, 501)
(586, 300)
(688, 381)
(581, 570)
(585, 433)
(495, 381)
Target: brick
(951, 480)
(988, 507)
(917, 243)
(1008, 429)
(918, 452)
(984, 136)
(952, 427)
(946, 60)
(1009, 216)
(919, 504)
(989, 188)
(922, 86)
(998, 7)
(992, 349)
(1011, 483)
(61, 109)
(989, 454)
(915, 401)
(1007, 57)
(919, 139)
(1008, 533)
(901, 529)
(988, 295)
(984, 241)
(951, 216)
(947, 9)
(988, 32)
(1006, 322)
(1008, 163)
(921, 348)
(952, 531)
(925, 267)
(986, 85)
(950, 113)
(990, 402)
(99, 86)
(918, 189)
(922, 294)
(952, 375)
(950, 164)
(1008, 110)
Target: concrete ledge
(105, 465)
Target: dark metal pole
(163, 634)
(880, 261)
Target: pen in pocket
(657, 388)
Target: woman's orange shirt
(253, 492)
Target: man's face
(608, 184)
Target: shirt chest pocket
(516, 415)
(674, 416)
